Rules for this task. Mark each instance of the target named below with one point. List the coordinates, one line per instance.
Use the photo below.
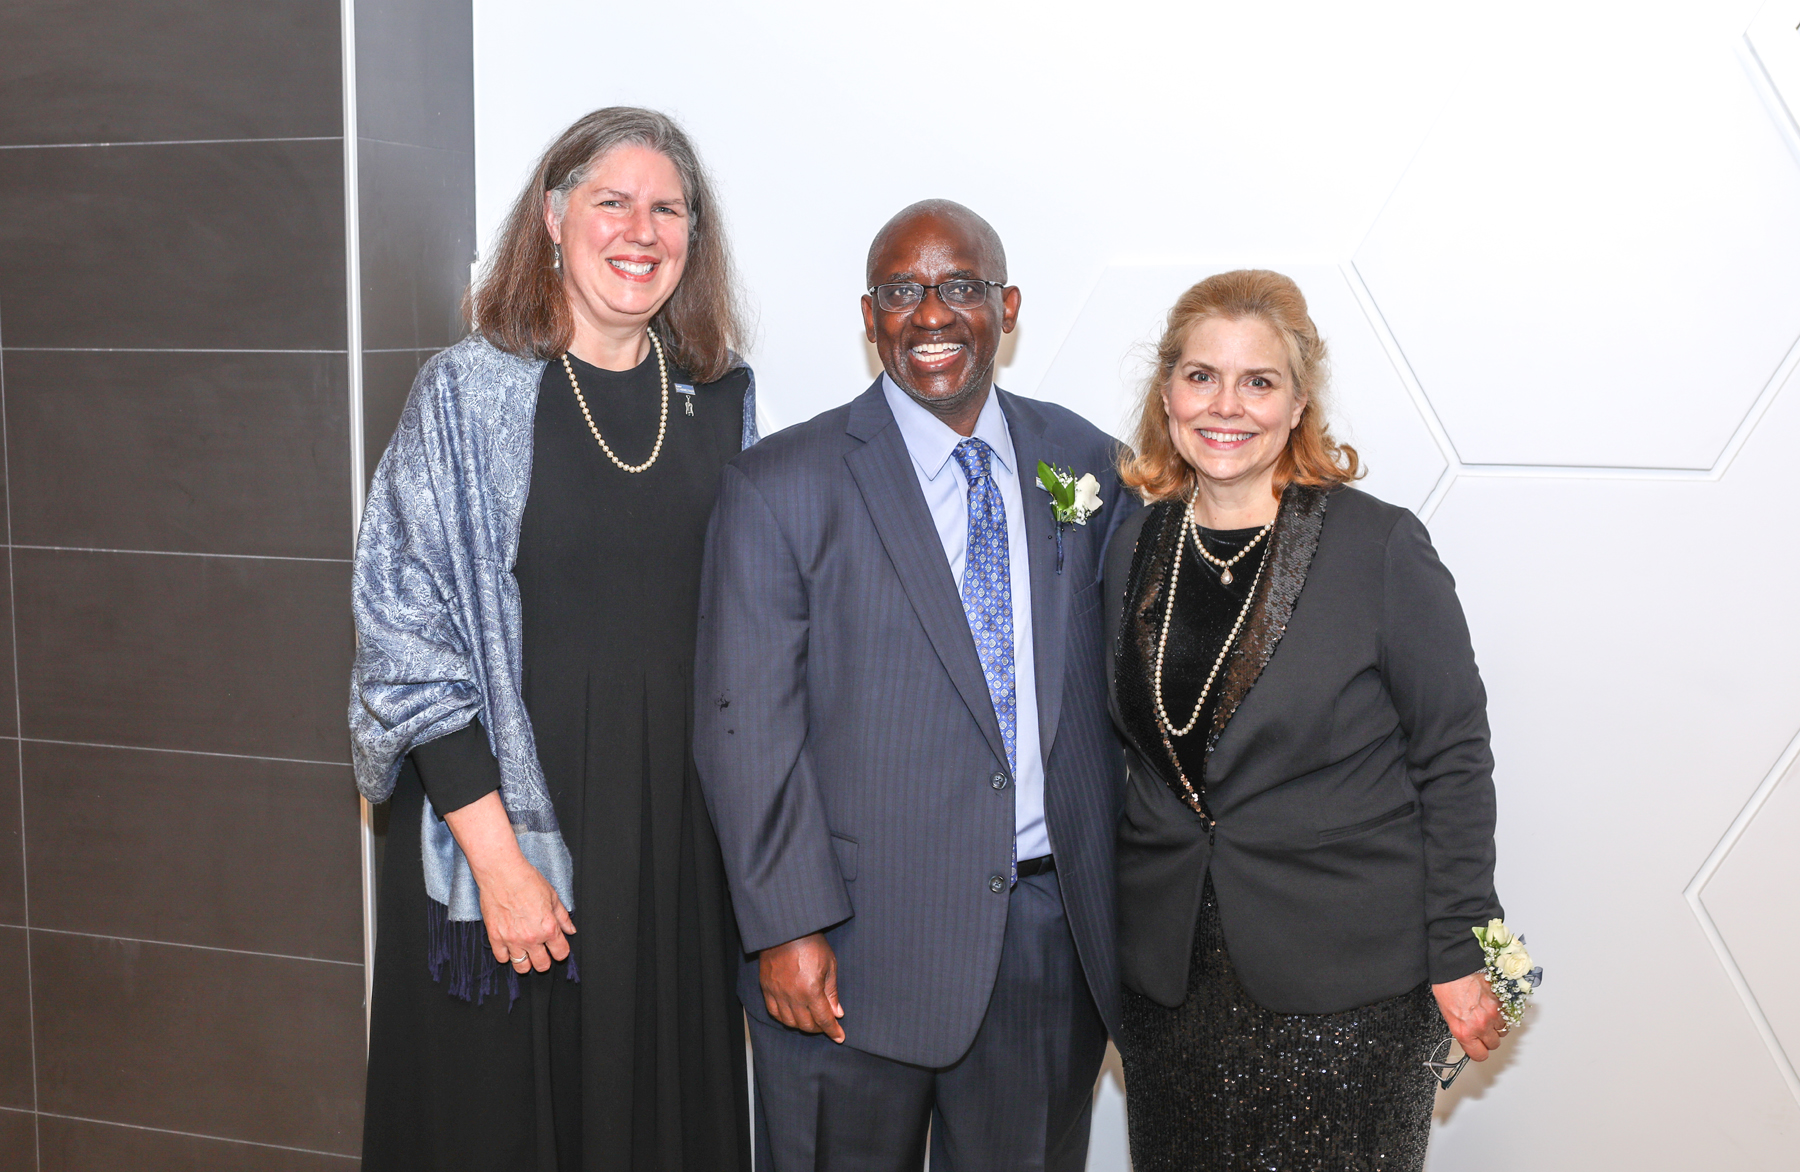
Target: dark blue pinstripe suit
(846, 742)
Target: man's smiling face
(943, 357)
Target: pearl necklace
(1164, 726)
(1190, 529)
(1224, 566)
(662, 424)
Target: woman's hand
(526, 922)
(1472, 1012)
(527, 925)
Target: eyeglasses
(1443, 1066)
(963, 293)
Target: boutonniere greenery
(1073, 499)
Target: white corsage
(1513, 978)
(1072, 500)
(1509, 968)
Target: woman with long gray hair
(553, 971)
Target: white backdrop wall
(1555, 248)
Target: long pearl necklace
(1190, 529)
(662, 424)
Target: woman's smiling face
(1232, 402)
(624, 237)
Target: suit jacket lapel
(1291, 547)
(883, 470)
(1049, 590)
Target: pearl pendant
(1225, 577)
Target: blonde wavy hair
(1156, 471)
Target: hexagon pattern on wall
(1670, 180)
(1748, 896)
(1111, 345)
(1774, 37)
(1434, 375)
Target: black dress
(636, 1060)
(1219, 1082)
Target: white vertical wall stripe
(353, 348)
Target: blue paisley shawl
(436, 606)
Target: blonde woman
(1307, 836)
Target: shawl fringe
(462, 947)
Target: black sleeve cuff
(457, 769)
(1459, 957)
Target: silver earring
(557, 263)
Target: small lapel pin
(687, 396)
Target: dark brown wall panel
(218, 851)
(235, 246)
(223, 655)
(418, 237)
(12, 866)
(216, 1043)
(134, 72)
(18, 1141)
(173, 310)
(15, 1020)
(414, 81)
(77, 1145)
(205, 453)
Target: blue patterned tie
(987, 593)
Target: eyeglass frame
(1443, 1070)
(874, 292)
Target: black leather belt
(1037, 866)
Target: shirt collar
(931, 442)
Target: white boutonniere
(1073, 499)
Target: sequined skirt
(1220, 1083)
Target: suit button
(998, 781)
(997, 884)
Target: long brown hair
(1156, 470)
(518, 302)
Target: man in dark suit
(902, 735)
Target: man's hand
(1472, 1012)
(799, 984)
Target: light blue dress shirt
(931, 442)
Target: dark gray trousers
(1018, 1101)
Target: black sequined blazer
(1349, 771)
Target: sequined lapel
(1292, 544)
